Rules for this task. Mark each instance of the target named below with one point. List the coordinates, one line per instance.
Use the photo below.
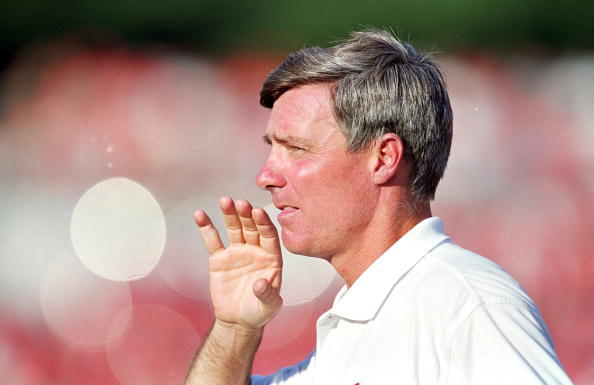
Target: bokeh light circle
(157, 349)
(184, 265)
(118, 230)
(79, 307)
(287, 326)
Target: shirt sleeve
(504, 343)
(299, 374)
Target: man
(360, 135)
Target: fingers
(209, 233)
(232, 222)
(246, 224)
(250, 231)
(268, 234)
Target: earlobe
(389, 152)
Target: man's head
(357, 131)
(378, 85)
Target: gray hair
(379, 85)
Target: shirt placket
(328, 372)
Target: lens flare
(79, 307)
(157, 349)
(288, 326)
(118, 230)
(184, 265)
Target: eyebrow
(288, 140)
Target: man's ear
(389, 156)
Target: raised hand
(245, 277)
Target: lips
(286, 211)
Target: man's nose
(269, 176)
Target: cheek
(326, 185)
(314, 178)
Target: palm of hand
(245, 277)
(233, 272)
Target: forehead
(303, 111)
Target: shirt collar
(364, 298)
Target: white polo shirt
(429, 312)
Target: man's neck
(378, 238)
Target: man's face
(325, 192)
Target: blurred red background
(518, 189)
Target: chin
(292, 247)
(293, 244)
(302, 246)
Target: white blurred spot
(79, 307)
(157, 349)
(288, 326)
(184, 265)
(109, 165)
(26, 245)
(109, 149)
(118, 230)
(304, 278)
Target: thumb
(268, 295)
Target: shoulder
(479, 280)
(490, 316)
(450, 283)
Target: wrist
(233, 330)
(226, 356)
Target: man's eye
(295, 148)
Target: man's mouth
(286, 211)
